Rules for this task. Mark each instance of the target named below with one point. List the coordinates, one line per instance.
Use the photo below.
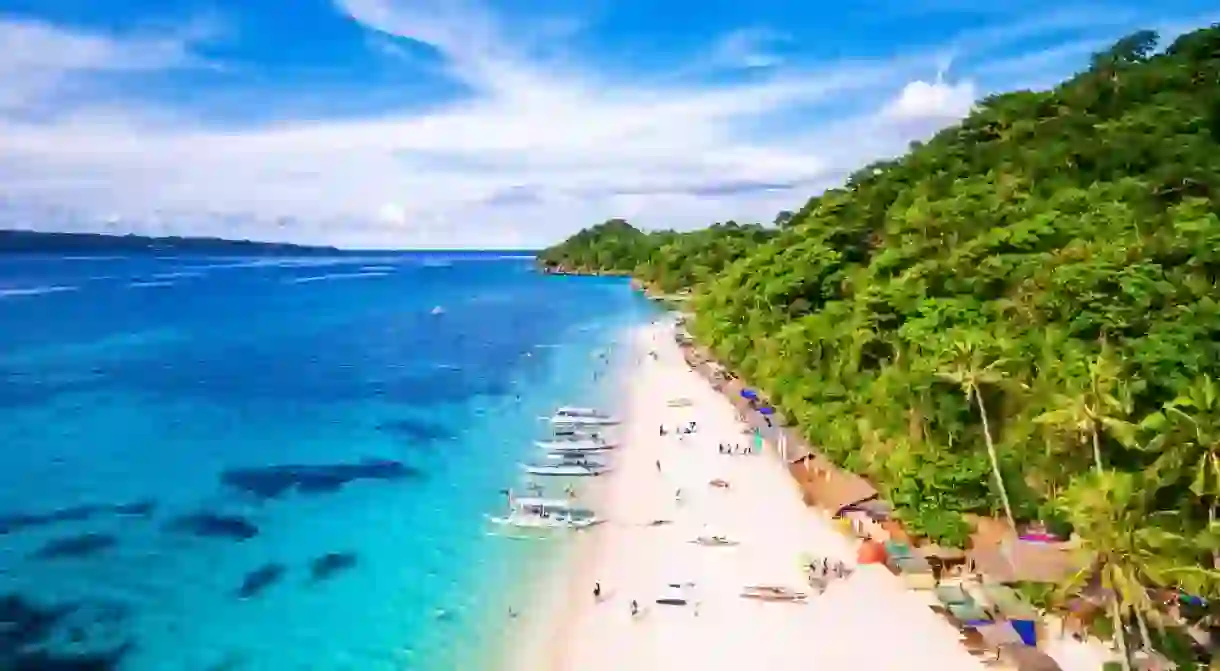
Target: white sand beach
(867, 621)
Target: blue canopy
(766, 410)
(749, 393)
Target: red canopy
(871, 552)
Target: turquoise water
(129, 387)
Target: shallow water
(133, 390)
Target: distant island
(39, 242)
(1019, 319)
(16, 241)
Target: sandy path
(865, 622)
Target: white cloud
(539, 147)
(936, 100)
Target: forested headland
(1018, 318)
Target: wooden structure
(827, 486)
(1010, 560)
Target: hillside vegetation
(1031, 294)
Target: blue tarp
(766, 410)
(1027, 630)
(750, 394)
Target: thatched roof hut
(828, 486)
(1014, 560)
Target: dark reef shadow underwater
(223, 464)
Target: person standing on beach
(597, 591)
(658, 465)
(635, 608)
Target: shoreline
(762, 512)
(552, 607)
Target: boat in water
(567, 465)
(540, 513)
(575, 416)
(575, 445)
(595, 459)
(568, 431)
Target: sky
(494, 123)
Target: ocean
(240, 464)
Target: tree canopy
(1034, 286)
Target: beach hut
(1012, 560)
(828, 486)
(1025, 658)
(839, 489)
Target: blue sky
(442, 123)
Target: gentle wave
(35, 291)
(147, 284)
(177, 275)
(378, 269)
(287, 263)
(335, 276)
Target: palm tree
(966, 365)
(1188, 435)
(1099, 403)
(1128, 550)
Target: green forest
(1018, 318)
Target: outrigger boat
(773, 593)
(582, 417)
(568, 431)
(567, 464)
(575, 445)
(540, 513)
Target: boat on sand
(773, 593)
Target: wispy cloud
(39, 61)
(539, 142)
(749, 48)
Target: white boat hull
(574, 446)
(574, 460)
(584, 422)
(561, 470)
(528, 522)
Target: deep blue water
(137, 393)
